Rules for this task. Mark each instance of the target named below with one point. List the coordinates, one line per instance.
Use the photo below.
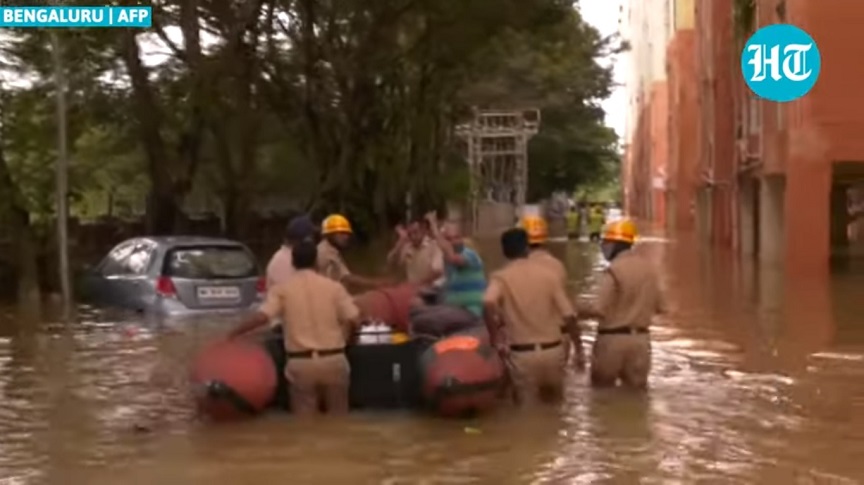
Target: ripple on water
(71, 397)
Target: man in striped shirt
(465, 277)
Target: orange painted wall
(724, 200)
(800, 140)
(627, 179)
(683, 169)
(826, 126)
(639, 177)
(659, 149)
(715, 40)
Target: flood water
(753, 382)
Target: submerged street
(749, 386)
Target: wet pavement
(754, 381)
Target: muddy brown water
(754, 381)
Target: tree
(557, 69)
(343, 105)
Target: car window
(128, 258)
(210, 262)
(139, 260)
(115, 262)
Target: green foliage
(556, 69)
(102, 159)
(336, 105)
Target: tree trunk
(163, 213)
(27, 266)
(163, 208)
(24, 259)
(237, 213)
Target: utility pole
(62, 176)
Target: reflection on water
(753, 382)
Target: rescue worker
(595, 222)
(628, 296)
(523, 308)
(538, 235)
(417, 256)
(318, 315)
(464, 274)
(573, 222)
(583, 219)
(336, 232)
(280, 267)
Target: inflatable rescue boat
(432, 357)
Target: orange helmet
(335, 224)
(537, 229)
(622, 230)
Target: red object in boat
(462, 375)
(389, 305)
(233, 379)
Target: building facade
(683, 148)
(779, 182)
(796, 167)
(646, 25)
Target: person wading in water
(525, 309)
(629, 295)
(336, 232)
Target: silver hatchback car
(173, 276)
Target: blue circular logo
(780, 63)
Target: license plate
(218, 293)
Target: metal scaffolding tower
(496, 145)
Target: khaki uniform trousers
(621, 356)
(316, 381)
(538, 375)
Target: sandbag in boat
(441, 320)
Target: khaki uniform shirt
(315, 311)
(532, 302)
(551, 263)
(330, 262)
(420, 263)
(628, 294)
(280, 267)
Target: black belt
(308, 354)
(534, 347)
(622, 331)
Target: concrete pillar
(771, 219)
(747, 217)
(807, 228)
